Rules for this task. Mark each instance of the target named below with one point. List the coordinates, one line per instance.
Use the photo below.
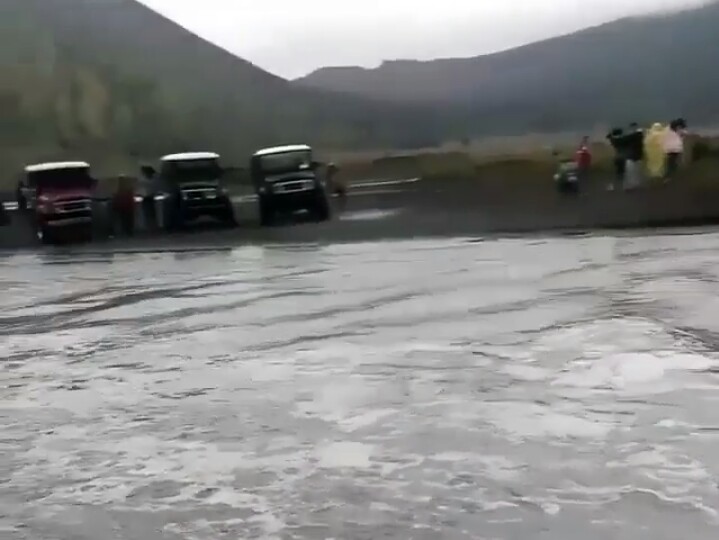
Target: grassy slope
(114, 82)
(518, 169)
(111, 81)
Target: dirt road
(422, 208)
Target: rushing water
(504, 389)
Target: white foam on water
(202, 529)
(495, 467)
(673, 472)
(522, 421)
(365, 419)
(625, 355)
(556, 388)
(639, 372)
(122, 466)
(526, 372)
(368, 215)
(339, 403)
(51, 345)
(345, 455)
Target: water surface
(454, 389)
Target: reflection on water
(456, 389)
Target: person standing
(20, 197)
(673, 148)
(583, 158)
(634, 141)
(617, 139)
(337, 185)
(149, 209)
(123, 206)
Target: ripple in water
(502, 389)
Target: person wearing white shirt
(674, 148)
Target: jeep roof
(282, 149)
(54, 166)
(190, 156)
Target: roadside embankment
(460, 196)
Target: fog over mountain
(292, 38)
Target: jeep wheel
(44, 234)
(85, 234)
(267, 214)
(228, 217)
(321, 211)
(176, 219)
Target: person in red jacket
(584, 157)
(123, 205)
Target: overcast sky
(293, 37)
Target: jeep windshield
(57, 179)
(192, 170)
(299, 160)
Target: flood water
(445, 389)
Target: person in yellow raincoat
(654, 151)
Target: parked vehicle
(57, 197)
(286, 180)
(190, 187)
(4, 215)
(567, 177)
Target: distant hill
(637, 68)
(117, 82)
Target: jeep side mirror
(315, 165)
(148, 170)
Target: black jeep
(190, 187)
(287, 180)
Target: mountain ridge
(660, 62)
(116, 80)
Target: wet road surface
(422, 208)
(457, 389)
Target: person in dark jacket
(149, 210)
(123, 206)
(617, 139)
(634, 143)
(4, 215)
(20, 197)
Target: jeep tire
(44, 234)
(321, 210)
(175, 215)
(267, 212)
(228, 216)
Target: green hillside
(112, 81)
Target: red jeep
(58, 197)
